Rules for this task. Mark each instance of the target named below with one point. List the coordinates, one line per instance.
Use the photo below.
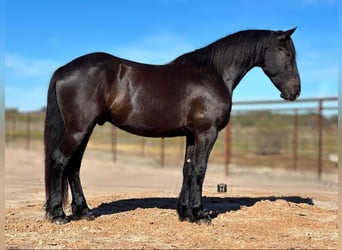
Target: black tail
(53, 133)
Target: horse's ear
(286, 34)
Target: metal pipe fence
(300, 135)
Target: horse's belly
(153, 131)
(157, 122)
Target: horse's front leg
(183, 201)
(190, 206)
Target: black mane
(227, 50)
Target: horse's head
(280, 64)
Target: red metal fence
(307, 140)
(300, 135)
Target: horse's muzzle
(291, 91)
(289, 97)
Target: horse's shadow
(214, 205)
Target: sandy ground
(135, 204)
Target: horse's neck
(234, 70)
(232, 75)
(231, 67)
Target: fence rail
(300, 135)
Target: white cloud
(28, 66)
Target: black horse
(190, 96)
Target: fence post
(8, 130)
(320, 138)
(228, 150)
(143, 147)
(28, 130)
(14, 127)
(114, 143)
(162, 152)
(181, 148)
(295, 140)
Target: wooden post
(295, 140)
(320, 138)
(143, 147)
(228, 149)
(8, 130)
(14, 127)
(162, 152)
(181, 148)
(28, 131)
(114, 144)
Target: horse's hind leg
(79, 207)
(63, 169)
(74, 104)
(57, 188)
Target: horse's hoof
(57, 219)
(184, 219)
(203, 218)
(88, 216)
(60, 221)
(204, 221)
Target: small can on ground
(221, 188)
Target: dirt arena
(135, 204)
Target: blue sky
(43, 35)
